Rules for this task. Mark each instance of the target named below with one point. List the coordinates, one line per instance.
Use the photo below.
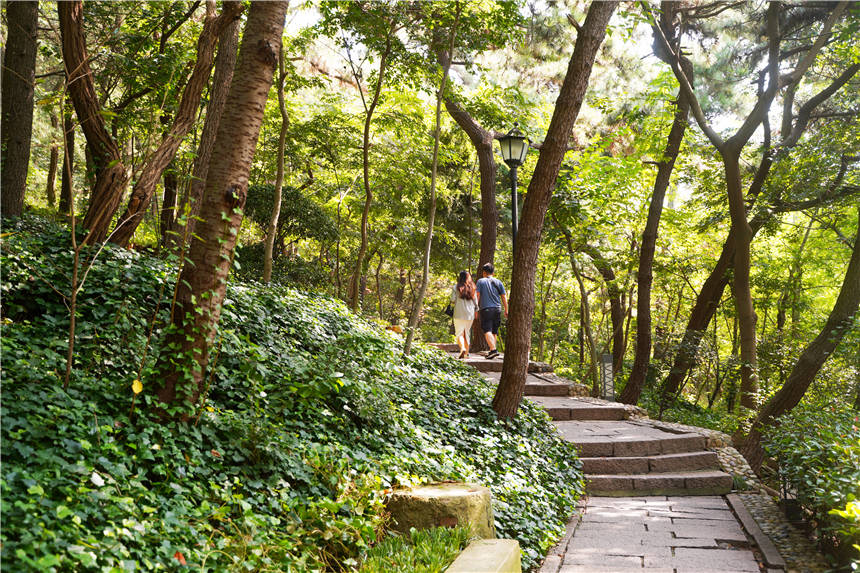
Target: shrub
(313, 414)
(818, 449)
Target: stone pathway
(689, 534)
(667, 519)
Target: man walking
(491, 297)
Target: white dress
(464, 313)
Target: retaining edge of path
(770, 554)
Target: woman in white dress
(465, 308)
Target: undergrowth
(312, 417)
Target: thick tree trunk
(68, 162)
(482, 139)
(19, 76)
(811, 359)
(515, 368)
(741, 284)
(110, 173)
(644, 277)
(158, 160)
(279, 177)
(225, 63)
(203, 282)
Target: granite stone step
(689, 461)
(446, 346)
(565, 408)
(597, 439)
(700, 482)
(480, 363)
(537, 385)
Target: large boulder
(443, 505)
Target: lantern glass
(514, 147)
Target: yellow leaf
(136, 386)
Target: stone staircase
(620, 456)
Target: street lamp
(514, 148)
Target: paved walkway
(653, 529)
(689, 534)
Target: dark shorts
(491, 318)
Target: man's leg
(491, 340)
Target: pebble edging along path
(621, 522)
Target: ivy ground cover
(311, 417)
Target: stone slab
(613, 465)
(710, 559)
(489, 556)
(686, 461)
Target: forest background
(703, 221)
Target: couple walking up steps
(489, 296)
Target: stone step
(446, 346)
(537, 386)
(702, 482)
(564, 408)
(599, 439)
(690, 461)
(480, 363)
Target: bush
(818, 449)
(312, 415)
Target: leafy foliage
(819, 454)
(312, 415)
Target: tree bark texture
(203, 281)
(811, 360)
(644, 276)
(65, 204)
(225, 63)
(19, 76)
(279, 177)
(158, 160)
(616, 305)
(53, 163)
(110, 173)
(170, 181)
(515, 368)
(482, 139)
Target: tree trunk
(279, 178)
(19, 77)
(616, 305)
(811, 359)
(110, 173)
(365, 165)
(225, 63)
(741, 284)
(203, 282)
(158, 160)
(168, 206)
(68, 162)
(428, 242)
(53, 162)
(644, 277)
(515, 368)
(482, 139)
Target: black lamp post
(514, 148)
